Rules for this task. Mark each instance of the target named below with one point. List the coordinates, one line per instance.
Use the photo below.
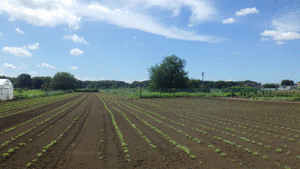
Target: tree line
(168, 74)
(43, 82)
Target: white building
(6, 89)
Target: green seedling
(28, 165)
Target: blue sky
(119, 40)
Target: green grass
(28, 92)
(144, 93)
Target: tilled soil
(216, 133)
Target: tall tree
(63, 81)
(37, 82)
(287, 83)
(169, 74)
(24, 80)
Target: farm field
(99, 130)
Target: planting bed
(98, 130)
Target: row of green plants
(10, 106)
(242, 92)
(86, 90)
(140, 110)
(243, 138)
(13, 138)
(203, 132)
(134, 126)
(183, 148)
(37, 117)
(53, 142)
(193, 138)
(119, 133)
(29, 94)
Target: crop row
(37, 117)
(119, 133)
(38, 124)
(223, 132)
(184, 148)
(55, 141)
(9, 106)
(32, 108)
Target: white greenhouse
(6, 89)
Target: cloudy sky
(120, 39)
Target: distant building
(287, 88)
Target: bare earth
(217, 133)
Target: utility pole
(202, 77)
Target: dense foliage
(270, 86)
(287, 83)
(169, 74)
(63, 81)
(24, 81)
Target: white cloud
(246, 11)
(73, 68)
(285, 27)
(45, 65)
(127, 81)
(140, 80)
(228, 21)
(281, 35)
(22, 66)
(76, 52)
(17, 51)
(0, 33)
(279, 43)
(265, 39)
(1, 72)
(89, 78)
(128, 19)
(33, 73)
(19, 31)
(8, 66)
(75, 39)
(139, 14)
(43, 13)
(34, 46)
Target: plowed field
(98, 130)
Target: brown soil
(90, 140)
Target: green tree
(220, 84)
(270, 86)
(23, 81)
(63, 81)
(287, 83)
(37, 82)
(194, 83)
(169, 74)
(45, 87)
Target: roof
(2, 81)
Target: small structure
(250, 83)
(6, 89)
(287, 88)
